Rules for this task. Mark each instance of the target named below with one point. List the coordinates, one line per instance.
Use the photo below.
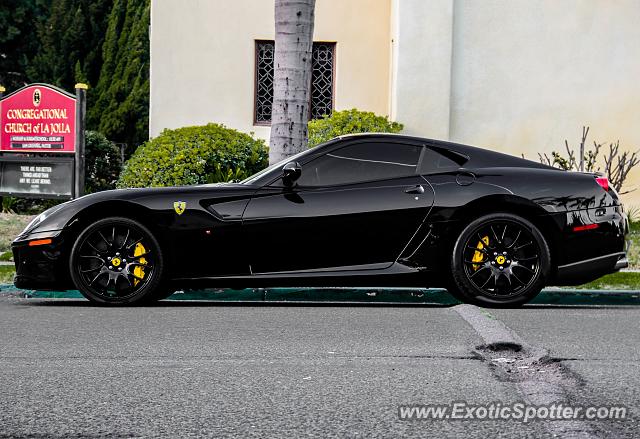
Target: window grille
(322, 80)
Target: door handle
(418, 189)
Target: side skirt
(396, 274)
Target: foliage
(194, 155)
(615, 164)
(103, 43)
(8, 204)
(18, 41)
(6, 274)
(633, 214)
(623, 280)
(349, 122)
(121, 107)
(70, 36)
(103, 162)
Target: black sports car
(362, 210)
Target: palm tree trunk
(294, 21)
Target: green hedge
(194, 155)
(349, 122)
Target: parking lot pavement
(186, 369)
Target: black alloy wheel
(500, 260)
(117, 261)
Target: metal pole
(81, 109)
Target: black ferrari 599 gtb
(368, 210)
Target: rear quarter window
(433, 162)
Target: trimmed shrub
(194, 155)
(349, 122)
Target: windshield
(279, 165)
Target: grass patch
(6, 274)
(6, 256)
(10, 226)
(615, 281)
(634, 249)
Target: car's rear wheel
(117, 261)
(500, 260)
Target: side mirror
(291, 172)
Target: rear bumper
(587, 270)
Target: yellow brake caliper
(138, 271)
(478, 256)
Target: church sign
(42, 142)
(38, 118)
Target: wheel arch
(515, 205)
(114, 208)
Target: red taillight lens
(603, 182)
(585, 227)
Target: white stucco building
(515, 75)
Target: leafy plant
(194, 155)
(615, 164)
(633, 215)
(349, 122)
(103, 162)
(8, 204)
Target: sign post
(81, 109)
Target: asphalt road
(183, 369)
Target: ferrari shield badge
(179, 206)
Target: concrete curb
(548, 297)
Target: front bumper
(41, 267)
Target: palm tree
(294, 21)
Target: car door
(356, 206)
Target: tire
(117, 261)
(499, 260)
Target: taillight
(603, 182)
(585, 227)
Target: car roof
(481, 157)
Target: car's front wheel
(500, 260)
(117, 261)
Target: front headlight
(34, 222)
(40, 218)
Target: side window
(433, 162)
(361, 162)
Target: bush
(102, 164)
(349, 122)
(194, 155)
